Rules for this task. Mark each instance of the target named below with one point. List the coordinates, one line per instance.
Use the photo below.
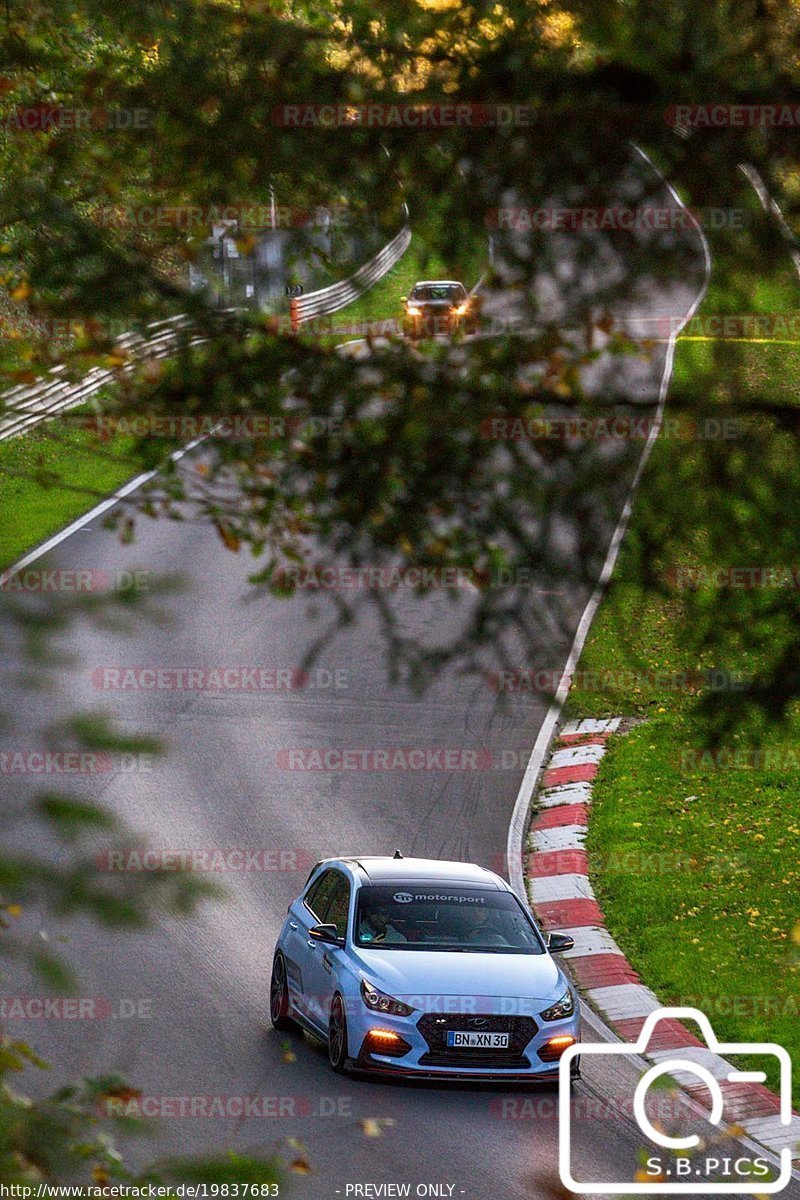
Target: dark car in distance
(439, 306)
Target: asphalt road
(199, 986)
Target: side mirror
(327, 934)
(557, 943)
(403, 299)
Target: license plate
(480, 1041)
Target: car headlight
(564, 1007)
(412, 310)
(461, 309)
(379, 1002)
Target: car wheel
(337, 1035)
(279, 997)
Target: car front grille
(434, 1027)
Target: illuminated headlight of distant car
(381, 1003)
(461, 309)
(412, 310)
(564, 1007)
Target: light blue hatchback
(413, 966)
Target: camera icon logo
(750, 1182)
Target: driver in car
(376, 927)
(483, 931)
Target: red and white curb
(557, 879)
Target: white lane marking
(590, 725)
(589, 940)
(773, 1133)
(574, 756)
(772, 208)
(563, 837)
(97, 511)
(560, 887)
(625, 1000)
(519, 817)
(719, 1067)
(568, 793)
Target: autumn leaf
(229, 539)
(123, 1093)
(646, 1177)
(370, 1127)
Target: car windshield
(419, 916)
(437, 291)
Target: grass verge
(55, 473)
(695, 856)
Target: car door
(322, 958)
(298, 947)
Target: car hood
(486, 979)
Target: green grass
(695, 864)
(697, 874)
(52, 475)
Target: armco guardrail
(27, 405)
(338, 295)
